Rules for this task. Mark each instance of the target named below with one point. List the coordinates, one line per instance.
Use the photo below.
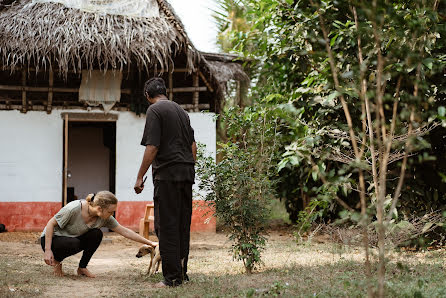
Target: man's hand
(49, 257)
(149, 156)
(139, 185)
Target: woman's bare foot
(86, 272)
(58, 269)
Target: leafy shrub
(239, 186)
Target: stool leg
(146, 230)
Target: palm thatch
(41, 34)
(224, 68)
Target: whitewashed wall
(129, 151)
(31, 154)
(31, 148)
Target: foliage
(285, 39)
(368, 78)
(238, 187)
(230, 19)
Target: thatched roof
(40, 32)
(226, 67)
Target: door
(89, 157)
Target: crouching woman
(76, 228)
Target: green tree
(230, 18)
(239, 187)
(368, 77)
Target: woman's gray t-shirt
(71, 224)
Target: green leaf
(441, 111)
(428, 62)
(333, 95)
(282, 164)
(333, 40)
(426, 227)
(314, 175)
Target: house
(72, 110)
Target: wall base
(33, 216)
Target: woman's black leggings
(63, 247)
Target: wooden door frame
(77, 117)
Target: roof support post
(206, 81)
(170, 85)
(24, 103)
(196, 95)
(65, 162)
(238, 94)
(50, 91)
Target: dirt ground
(319, 268)
(115, 260)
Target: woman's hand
(49, 257)
(129, 234)
(152, 243)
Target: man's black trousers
(173, 212)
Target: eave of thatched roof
(41, 34)
(225, 67)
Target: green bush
(239, 187)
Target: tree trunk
(381, 235)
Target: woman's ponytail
(103, 199)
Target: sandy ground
(319, 267)
(114, 260)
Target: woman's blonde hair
(102, 199)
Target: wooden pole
(50, 92)
(40, 108)
(65, 165)
(23, 88)
(75, 90)
(196, 95)
(39, 89)
(170, 86)
(72, 71)
(206, 81)
(189, 89)
(238, 94)
(203, 106)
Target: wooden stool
(147, 223)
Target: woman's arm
(48, 255)
(127, 233)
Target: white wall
(31, 154)
(129, 151)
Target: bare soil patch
(289, 270)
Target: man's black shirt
(168, 128)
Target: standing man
(171, 150)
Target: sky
(196, 16)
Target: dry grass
(290, 270)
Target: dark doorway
(91, 158)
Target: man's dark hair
(154, 87)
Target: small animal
(155, 257)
